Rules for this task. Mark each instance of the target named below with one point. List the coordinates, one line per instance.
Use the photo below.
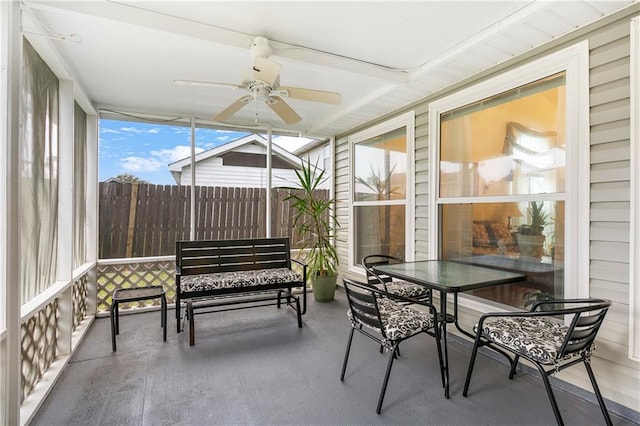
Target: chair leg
(112, 313)
(163, 316)
(514, 365)
(346, 355)
(596, 389)
(192, 331)
(298, 313)
(472, 361)
(552, 398)
(386, 377)
(178, 315)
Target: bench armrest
(304, 269)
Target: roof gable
(237, 144)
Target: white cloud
(105, 130)
(157, 160)
(139, 131)
(137, 164)
(174, 154)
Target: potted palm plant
(316, 223)
(530, 237)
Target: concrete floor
(256, 367)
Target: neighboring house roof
(177, 167)
(305, 149)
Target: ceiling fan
(263, 84)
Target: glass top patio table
(448, 277)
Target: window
(381, 176)
(504, 163)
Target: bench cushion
(238, 279)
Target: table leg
(443, 335)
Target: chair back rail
(369, 262)
(584, 327)
(364, 305)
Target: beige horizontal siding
(610, 211)
(610, 172)
(608, 270)
(610, 71)
(610, 231)
(610, 191)
(609, 117)
(611, 151)
(611, 132)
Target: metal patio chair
(378, 315)
(554, 335)
(390, 285)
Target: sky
(145, 150)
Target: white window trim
(575, 61)
(634, 225)
(405, 120)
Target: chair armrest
(304, 269)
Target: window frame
(407, 121)
(573, 60)
(634, 225)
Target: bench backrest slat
(214, 256)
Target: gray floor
(256, 367)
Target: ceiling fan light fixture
(263, 84)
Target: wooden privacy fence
(141, 220)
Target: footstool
(125, 295)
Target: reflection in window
(380, 167)
(509, 144)
(381, 230)
(505, 236)
(379, 189)
(502, 187)
(539, 161)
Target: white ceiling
(378, 55)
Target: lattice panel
(39, 341)
(114, 277)
(79, 301)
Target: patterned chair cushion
(399, 321)
(238, 279)
(538, 337)
(406, 289)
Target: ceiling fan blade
(265, 70)
(206, 83)
(283, 110)
(232, 109)
(311, 95)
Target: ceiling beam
(138, 16)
